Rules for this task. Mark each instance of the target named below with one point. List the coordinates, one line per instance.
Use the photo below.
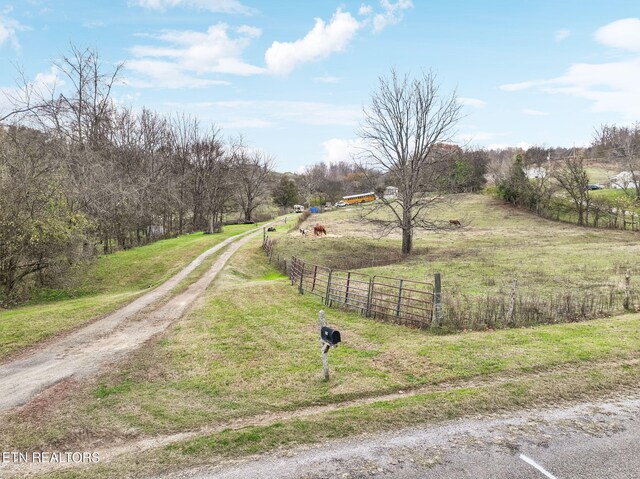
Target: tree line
(81, 174)
(562, 189)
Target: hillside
(499, 244)
(109, 282)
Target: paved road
(595, 440)
(87, 350)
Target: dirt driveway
(87, 350)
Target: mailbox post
(328, 337)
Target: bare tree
(621, 144)
(310, 181)
(573, 179)
(212, 185)
(251, 171)
(405, 132)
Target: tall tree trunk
(407, 232)
(407, 241)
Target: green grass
(148, 266)
(601, 174)
(368, 418)
(613, 194)
(111, 281)
(500, 243)
(252, 348)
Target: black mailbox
(329, 335)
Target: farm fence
(424, 304)
(400, 301)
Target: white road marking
(533, 463)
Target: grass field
(613, 193)
(250, 347)
(600, 174)
(500, 243)
(112, 280)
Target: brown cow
(455, 223)
(319, 230)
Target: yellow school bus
(361, 198)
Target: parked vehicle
(359, 198)
(298, 208)
(340, 204)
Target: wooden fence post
(367, 312)
(437, 301)
(399, 299)
(315, 273)
(627, 291)
(346, 294)
(300, 290)
(512, 303)
(328, 292)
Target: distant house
(390, 193)
(536, 172)
(624, 180)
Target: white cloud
(249, 31)
(242, 123)
(330, 37)
(530, 112)
(9, 29)
(186, 56)
(474, 102)
(392, 14)
(521, 85)
(215, 6)
(623, 34)
(322, 40)
(163, 74)
(562, 34)
(43, 86)
(365, 10)
(327, 79)
(337, 149)
(612, 87)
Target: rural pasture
(479, 262)
(240, 373)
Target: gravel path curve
(87, 350)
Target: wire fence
(424, 304)
(395, 300)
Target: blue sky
(293, 76)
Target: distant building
(624, 180)
(536, 172)
(390, 193)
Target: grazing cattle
(319, 230)
(271, 228)
(455, 223)
(303, 232)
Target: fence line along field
(563, 272)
